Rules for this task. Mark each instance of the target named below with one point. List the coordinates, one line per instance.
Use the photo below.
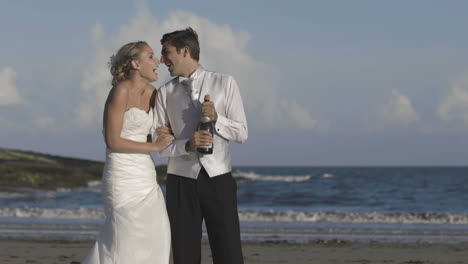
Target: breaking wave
(252, 176)
(264, 216)
(355, 217)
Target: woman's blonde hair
(120, 63)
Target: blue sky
(323, 82)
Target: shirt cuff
(221, 124)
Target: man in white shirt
(199, 186)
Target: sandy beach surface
(51, 252)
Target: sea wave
(53, 213)
(355, 217)
(264, 216)
(252, 176)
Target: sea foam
(252, 176)
(264, 216)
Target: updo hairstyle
(120, 63)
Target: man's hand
(199, 138)
(208, 109)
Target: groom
(199, 187)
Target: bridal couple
(138, 228)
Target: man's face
(172, 59)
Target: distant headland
(27, 169)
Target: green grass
(6, 154)
(37, 170)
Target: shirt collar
(194, 74)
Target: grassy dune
(28, 169)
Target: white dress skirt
(136, 229)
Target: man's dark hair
(183, 38)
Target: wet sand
(51, 252)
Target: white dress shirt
(174, 106)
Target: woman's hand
(164, 130)
(163, 141)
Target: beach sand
(51, 252)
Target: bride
(136, 228)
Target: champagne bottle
(206, 124)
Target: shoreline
(15, 251)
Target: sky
(324, 83)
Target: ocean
(294, 204)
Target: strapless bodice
(126, 170)
(137, 124)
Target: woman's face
(148, 64)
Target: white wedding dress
(136, 229)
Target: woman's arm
(113, 122)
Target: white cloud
(301, 117)
(454, 106)
(222, 49)
(284, 113)
(8, 92)
(9, 95)
(398, 111)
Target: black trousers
(189, 201)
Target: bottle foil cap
(205, 119)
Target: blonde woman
(136, 228)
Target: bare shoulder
(118, 93)
(122, 88)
